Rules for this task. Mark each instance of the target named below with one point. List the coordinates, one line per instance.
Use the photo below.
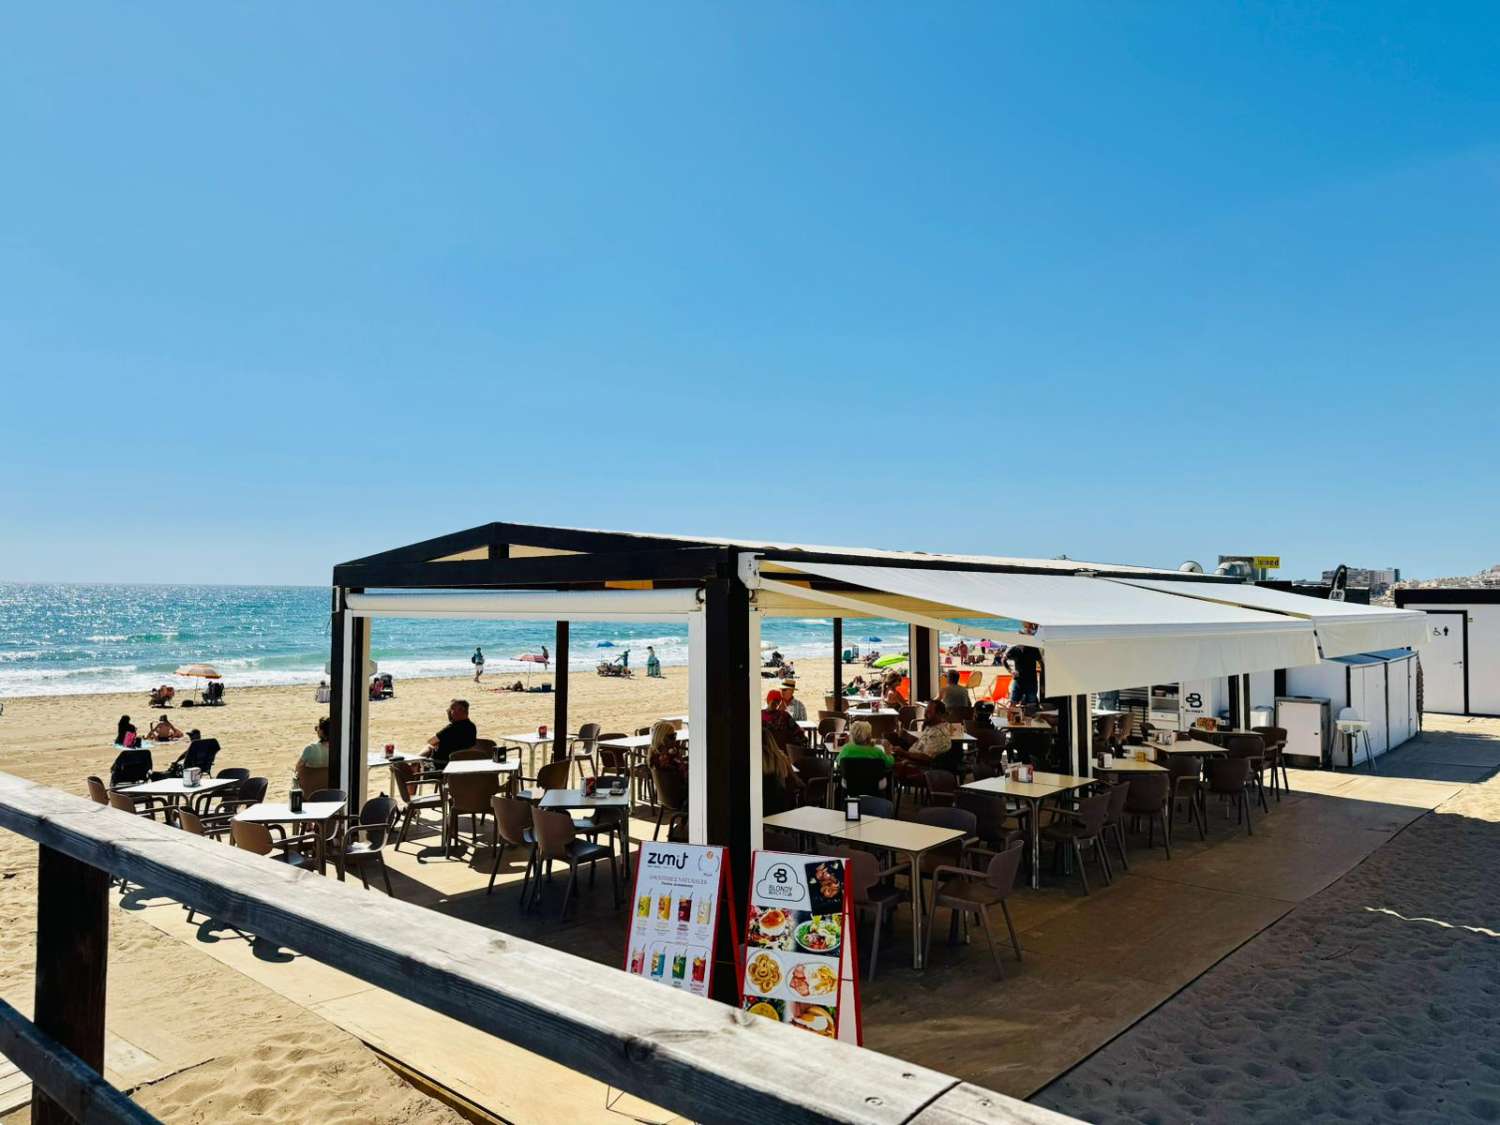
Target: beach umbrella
(890, 661)
(199, 671)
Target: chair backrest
(97, 792)
(906, 715)
(311, 778)
(328, 795)
(988, 810)
(1093, 811)
(1245, 746)
(250, 836)
(130, 766)
(863, 869)
(941, 783)
(471, 792)
(235, 773)
(1184, 765)
(1228, 775)
(472, 754)
(832, 703)
(1147, 792)
(486, 745)
(810, 766)
(831, 725)
(378, 811)
(253, 789)
(1001, 873)
(405, 774)
(876, 806)
(671, 789)
(554, 775)
(613, 760)
(588, 734)
(1275, 736)
(554, 832)
(121, 802)
(512, 818)
(189, 821)
(942, 817)
(200, 754)
(610, 736)
(1118, 795)
(863, 776)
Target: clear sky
(284, 285)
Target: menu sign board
(679, 889)
(800, 962)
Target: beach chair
(130, 767)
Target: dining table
(579, 800)
(1042, 787)
(311, 813)
(906, 838)
(176, 790)
(530, 740)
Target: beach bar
(1099, 627)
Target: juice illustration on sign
(685, 908)
(705, 904)
(643, 908)
(658, 961)
(679, 964)
(664, 906)
(638, 960)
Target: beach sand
(1377, 999)
(195, 1042)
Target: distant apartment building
(1377, 580)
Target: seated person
(163, 731)
(955, 695)
(780, 784)
(665, 752)
(162, 696)
(376, 689)
(861, 744)
(125, 732)
(459, 734)
(794, 706)
(315, 754)
(893, 697)
(774, 717)
(934, 748)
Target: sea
(64, 639)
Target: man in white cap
(793, 704)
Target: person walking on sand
(478, 661)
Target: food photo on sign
(798, 944)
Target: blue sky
(281, 286)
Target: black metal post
(560, 694)
(838, 657)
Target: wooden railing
(704, 1060)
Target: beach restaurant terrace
(1098, 626)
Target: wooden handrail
(65, 1078)
(696, 1057)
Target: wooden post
(922, 684)
(838, 657)
(560, 694)
(726, 757)
(72, 951)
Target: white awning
(1097, 635)
(1343, 628)
(542, 605)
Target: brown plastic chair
(965, 891)
(1148, 796)
(406, 785)
(512, 829)
(311, 778)
(941, 786)
(1275, 738)
(469, 795)
(995, 823)
(1229, 778)
(98, 792)
(365, 842)
(671, 800)
(951, 854)
(871, 891)
(585, 750)
(250, 836)
(1251, 747)
(138, 806)
(1186, 781)
(557, 840)
(1080, 828)
(474, 753)
(830, 730)
(1114, 820)
(554, 775)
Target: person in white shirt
(794, 705)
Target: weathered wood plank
(69, 1082)
(965, 1104)
(704, 1060)
(72, 954)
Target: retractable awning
(1097, 635)
(1342, 628)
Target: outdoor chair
(671, 801)
(556, 840)
(1251, 747)
(996, 825)
(876, 806)
(512, 829)
(872, 891)
(833, 703)
(469, 795)
(365, 842)
(1114, 819)
(1186, 783)
(475, 753)
(138, 806)
(234, 773)
(190, 823)
(130, 768)
(1079, 829)
(952, 854)
(585, 749)
(554, 775)
(830, 730)
(1275, 738)
(863, 777)
(257, 838)
(1228, 779)
(941, 787)
(1148, 796)
(966, 891)
(97, 791)
(311, 778)
(816, 775)
(415, 802)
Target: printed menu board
(800, 962)
(679, 889)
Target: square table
(565, 800)
(810, 819)
(913, 841)
(481, 765)
(530, 740)
(1130, 765)
(1034, 792)
(376, 759)
(280, 812)
(176, 787)
(1193, 746)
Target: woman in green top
(861, 744)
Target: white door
(1443, 662)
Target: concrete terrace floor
(1094, 965)
(1376, 999)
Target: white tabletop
(635, 741)
(480, 765)
(674, 718)
(275, 812)
(379, 759)
(900, 835)
(532, 738)
(176, 787)
(577, 799)
(1044, 785)
(1130, 765)
(810, 818)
